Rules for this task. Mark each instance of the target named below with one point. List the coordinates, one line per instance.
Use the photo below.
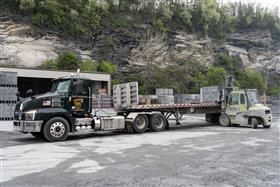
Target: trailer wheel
(37, 135)
(157, 122)
(140, 123)
(224, 120)
(56, 129)
(254, 123)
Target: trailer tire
(224, 120)
(157, 122)
(56, 129)
(38, 135)
(140, 123)
(254, 123)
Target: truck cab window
(233, 99)
(80, 88)
(61, 86)
(242, 99)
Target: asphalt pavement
(195, 153)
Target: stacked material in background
(8, 97)
(126, 95)
(164, 91)
(102, 101)
(186, 98)
(209, 94)
(165, 95)
(148, 99)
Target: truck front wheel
(56, 129)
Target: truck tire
(38, 135)
(254, 123)
(56, 129)
(224, 120)
(157, 122)
(140, 123)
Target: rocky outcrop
(134, 49)
(19, 49)
(255, 50)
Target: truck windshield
(61, 86)
(252, 97)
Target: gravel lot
(192, 154)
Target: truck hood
(36, 101)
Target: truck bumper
(27, 126)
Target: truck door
(81, 97)
(233, 107)
(241, 115)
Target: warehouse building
(15, 81)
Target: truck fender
(45, 114)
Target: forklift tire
(56, 129)
(38, 135)
(157, 122)
(224, 120)
(254, 123)
(140, 123)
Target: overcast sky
(264, 3)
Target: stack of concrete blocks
(186, 98)
(148, 99)
(102, 101)
(210, 94)
(8, 97)
(125, 95)
(165, 95)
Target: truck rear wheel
(56, 129)
(224, 120)
(140, 123)
(157, 122)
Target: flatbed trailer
(175, 110)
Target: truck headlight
(30, 115)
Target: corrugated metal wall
(8, 97)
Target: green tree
(89, 66)
(215, 75)
(67, 61)
(107, 67)
(49, 64)
(252, 79)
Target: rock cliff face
(132, 51)
(19, 48)
(255, 50)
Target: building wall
(8, 91)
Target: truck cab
(244, 109)
(67, 108)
